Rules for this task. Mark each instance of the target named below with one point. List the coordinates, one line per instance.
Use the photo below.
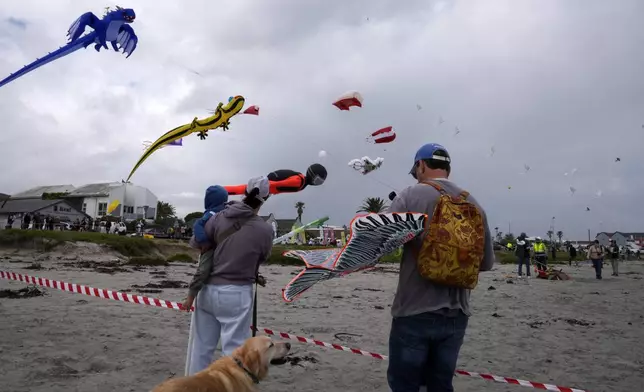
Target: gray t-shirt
(416, 294)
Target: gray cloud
(555, 85)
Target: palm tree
(299, 206)
(550, 234)
(560, 235)
(373, 205)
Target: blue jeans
(524, 260)
(423, 350)
(598, 264)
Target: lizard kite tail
(112, 28)
(220, 118)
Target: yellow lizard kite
(220, 118)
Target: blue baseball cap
(427, 152)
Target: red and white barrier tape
(141, 300)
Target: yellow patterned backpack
(453, 244)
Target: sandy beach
(581, 333)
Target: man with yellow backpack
(438, 269)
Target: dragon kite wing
(127, 40)
(371, 237)
(221, 118)
(112, 27)
(78, 27)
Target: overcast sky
(553, 84)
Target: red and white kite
(252, 110)
(352, 98)
(384, 135)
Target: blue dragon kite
(112, 28)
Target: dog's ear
(256, 365)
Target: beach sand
(582, 333)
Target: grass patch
(511, 258)
(147, 261)
(48, 240)
(181, 258)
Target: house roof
(89, 190)
(13, 206)
(623, 233)
(36, 192)
(285, 225)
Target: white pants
(221, 311)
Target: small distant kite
(618, 159)
(440, 120)
(347, 100)
(383, 135)
(492, 151)
(456, 131)
(572, 172)
(587, 208)
(148, 143)
(418, 107)
(112, 206)
(572, 190)
(366, 165)
(526, 168)
(509, 187)
(254, 110)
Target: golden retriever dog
(239, 372)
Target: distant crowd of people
(595, 252)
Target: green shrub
(181, 258)
(127, 246)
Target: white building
(135, 202)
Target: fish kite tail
(71, 47)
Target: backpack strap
(232, 230)
(463, 195)
(436, 186)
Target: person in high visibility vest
(540, 256)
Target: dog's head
(258, 352)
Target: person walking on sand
(613, 251)
(596, 256)
(430, 318)
(242, 242)
(523, 255)
(572, 255)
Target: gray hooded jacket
(237, 258)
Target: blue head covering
(214, 201)
(216, 196)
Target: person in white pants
(224, 281)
